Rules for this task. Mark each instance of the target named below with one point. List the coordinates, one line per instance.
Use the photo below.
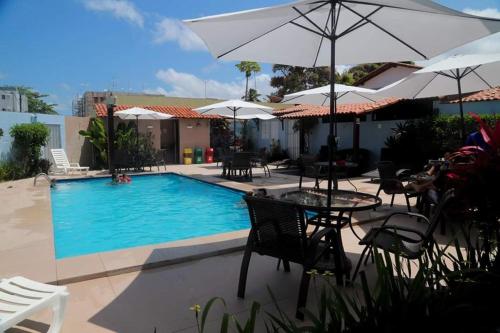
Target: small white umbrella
(321, 95)
(455, 75)
(143, 114)
(256, 116)
(236, 109)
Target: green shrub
(27, 146)
(98, 137)
(414, 142)
(10, 171)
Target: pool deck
(98, 281)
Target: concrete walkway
(137, 300)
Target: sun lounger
(286, 162)
(62, 163)
(20, 298)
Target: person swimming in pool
(124, 179)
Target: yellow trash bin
(188, 155)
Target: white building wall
(389, 76)
(9, 101)
(9, 119)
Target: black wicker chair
(391, 184)
(279, 230)
(307, 168)
(259, 160)
(122, 160)
(241, 162)
(409, 243)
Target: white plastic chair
(62, 162)
(20, 298)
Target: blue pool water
(92, 216)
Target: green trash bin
(198, 155)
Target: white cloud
(172, 30)
(121, 9)
(489, 44)
(487, 12)
(188, 85)
(65, 86)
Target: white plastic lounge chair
(20, 298)
(62, 163)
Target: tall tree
(249, 68)
(36, 104)
(290, 79)
(253, 95)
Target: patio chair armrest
(403, 173)
(315, 239)
(396, 228)
(417, 215)
(77, 165)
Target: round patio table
(342, 202)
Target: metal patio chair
(279, 230)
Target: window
(3, 96)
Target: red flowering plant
(475, 174)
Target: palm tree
(253, 95)
(248, 67)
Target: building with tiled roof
(179, 112)
(386, 74)
(481, 102)
(492, 94)
(307, 111)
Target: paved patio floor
(160, 297)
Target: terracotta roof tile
(492, 94)
(181, 112)
(304, 110)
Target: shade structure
(142, 114)
(236, 109)
(313, 33)
(256, 116)
(454, 75)
(137, 114)
(321, 95)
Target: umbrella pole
(234, 129)
(137, 138)
(460, 103)
(332, 144)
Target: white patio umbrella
(143, 114)
(312, 33)
(455, 75)
(321, 95)
(236, 109)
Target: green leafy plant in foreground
(446, 293)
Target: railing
(44, 175)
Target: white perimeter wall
(372, 136)
(487, 107)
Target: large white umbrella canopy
(321, 95)
(455, 75)
(142, 114)
(312, 33)
(367, 31)
(237, 109)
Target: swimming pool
(91, 216)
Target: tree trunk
(246, 88)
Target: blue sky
(66, 47)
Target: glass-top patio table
(315, 200)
